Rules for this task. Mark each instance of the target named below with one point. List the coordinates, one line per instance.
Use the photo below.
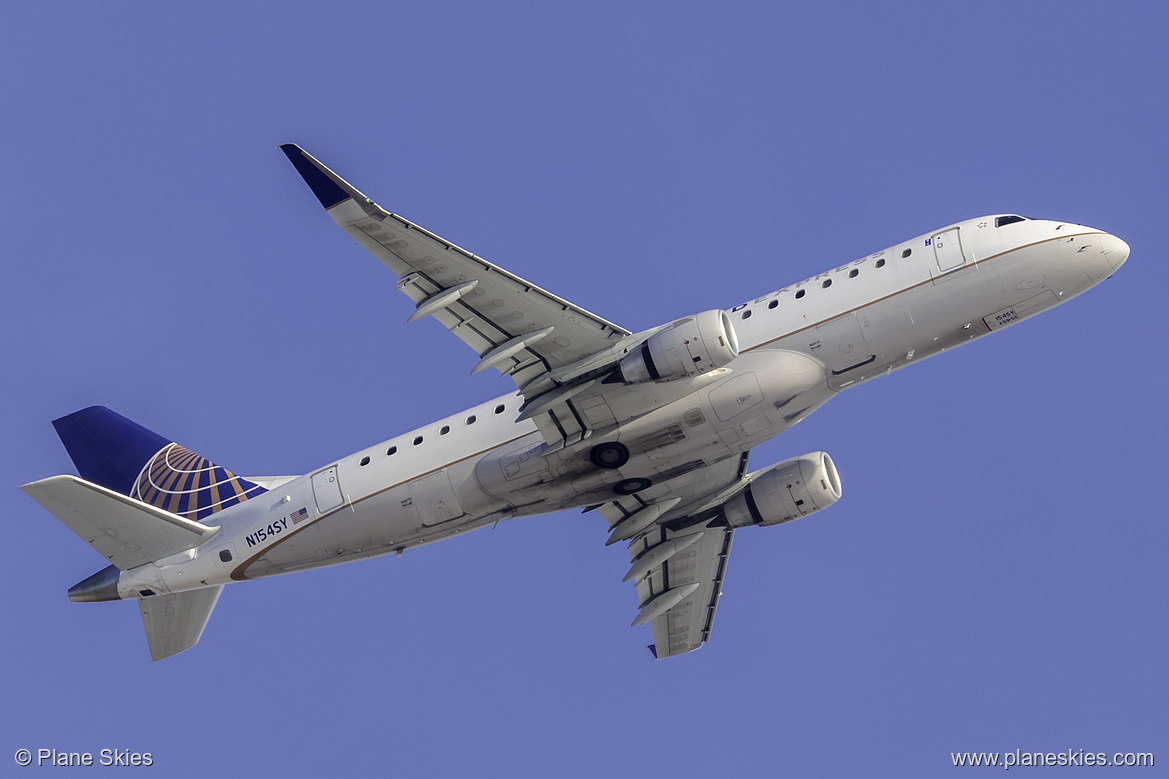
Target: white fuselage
(799, 346)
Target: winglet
(330, 189)
(317, 176)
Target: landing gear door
(948, 250)
(327, 489)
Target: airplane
(651, 430)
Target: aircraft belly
(761, 395)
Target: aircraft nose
(1115, 250)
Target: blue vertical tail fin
(123, 456)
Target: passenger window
(746, 314)
(906, 253)
(499, 409)
(445, 429)
(365, 461)
(471, 420)
(391, 450)
(773, 304)
(852, 274)
(800, 293)
(418, 440)
(827, 283)
(880, 263)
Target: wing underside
(679, 562)
(512, 325)
(685, 626)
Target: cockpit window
(1008, 220)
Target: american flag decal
(299, 515)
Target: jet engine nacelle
(689, 347)
(787, 491)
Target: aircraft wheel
(610, 455)
(630, 486)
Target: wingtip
(327, 191)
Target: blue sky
(994, 577)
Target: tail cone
(103, 585)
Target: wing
(678, 565)
(513, 325)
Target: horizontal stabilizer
(270, 482)
(174, 623)
(125, 531)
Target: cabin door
(948, 250)
(327, 489)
